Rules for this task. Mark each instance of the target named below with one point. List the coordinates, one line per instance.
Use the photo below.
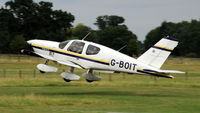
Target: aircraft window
(92, 50)
(76, 47)
(63, 44)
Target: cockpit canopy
(78, 46)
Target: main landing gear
(70, 76)
(90, 77)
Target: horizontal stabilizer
(171, 71)
(159, 73)
(155, 73)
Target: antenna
(86, 36)
(122, 48)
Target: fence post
(155, 78)
(124, 76)
(34, 73)
(18, 58)
(110, 77)
(20, 74)
(186, 76)
(4, 73)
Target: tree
(80, 31)
(30, 20)
(106, 21)
(40, 20)
(188, 34)
(114, 34)
(9, 28)
(17, 44)
(5, 40)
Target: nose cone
(30, 41)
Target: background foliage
(188, 34)
(22, 20)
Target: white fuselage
(106, 59)
(95, 57)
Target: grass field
(25, 90)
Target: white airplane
(95, 57)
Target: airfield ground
(24, 90)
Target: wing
(66, 62)
(45, 56)
(103, 71)
(71, 64)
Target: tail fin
(157, 54)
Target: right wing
(69, 63)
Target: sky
(140, 16)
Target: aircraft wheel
(66, 80)
(89, 80)
(42, 72)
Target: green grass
(124, 93)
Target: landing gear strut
(46, 62)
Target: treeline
(112, 33)
(188, 34)
(22, 20)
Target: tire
(89, 80)
(42, 72)
(66, 80)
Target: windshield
(63, 44)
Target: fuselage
(87, 55)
